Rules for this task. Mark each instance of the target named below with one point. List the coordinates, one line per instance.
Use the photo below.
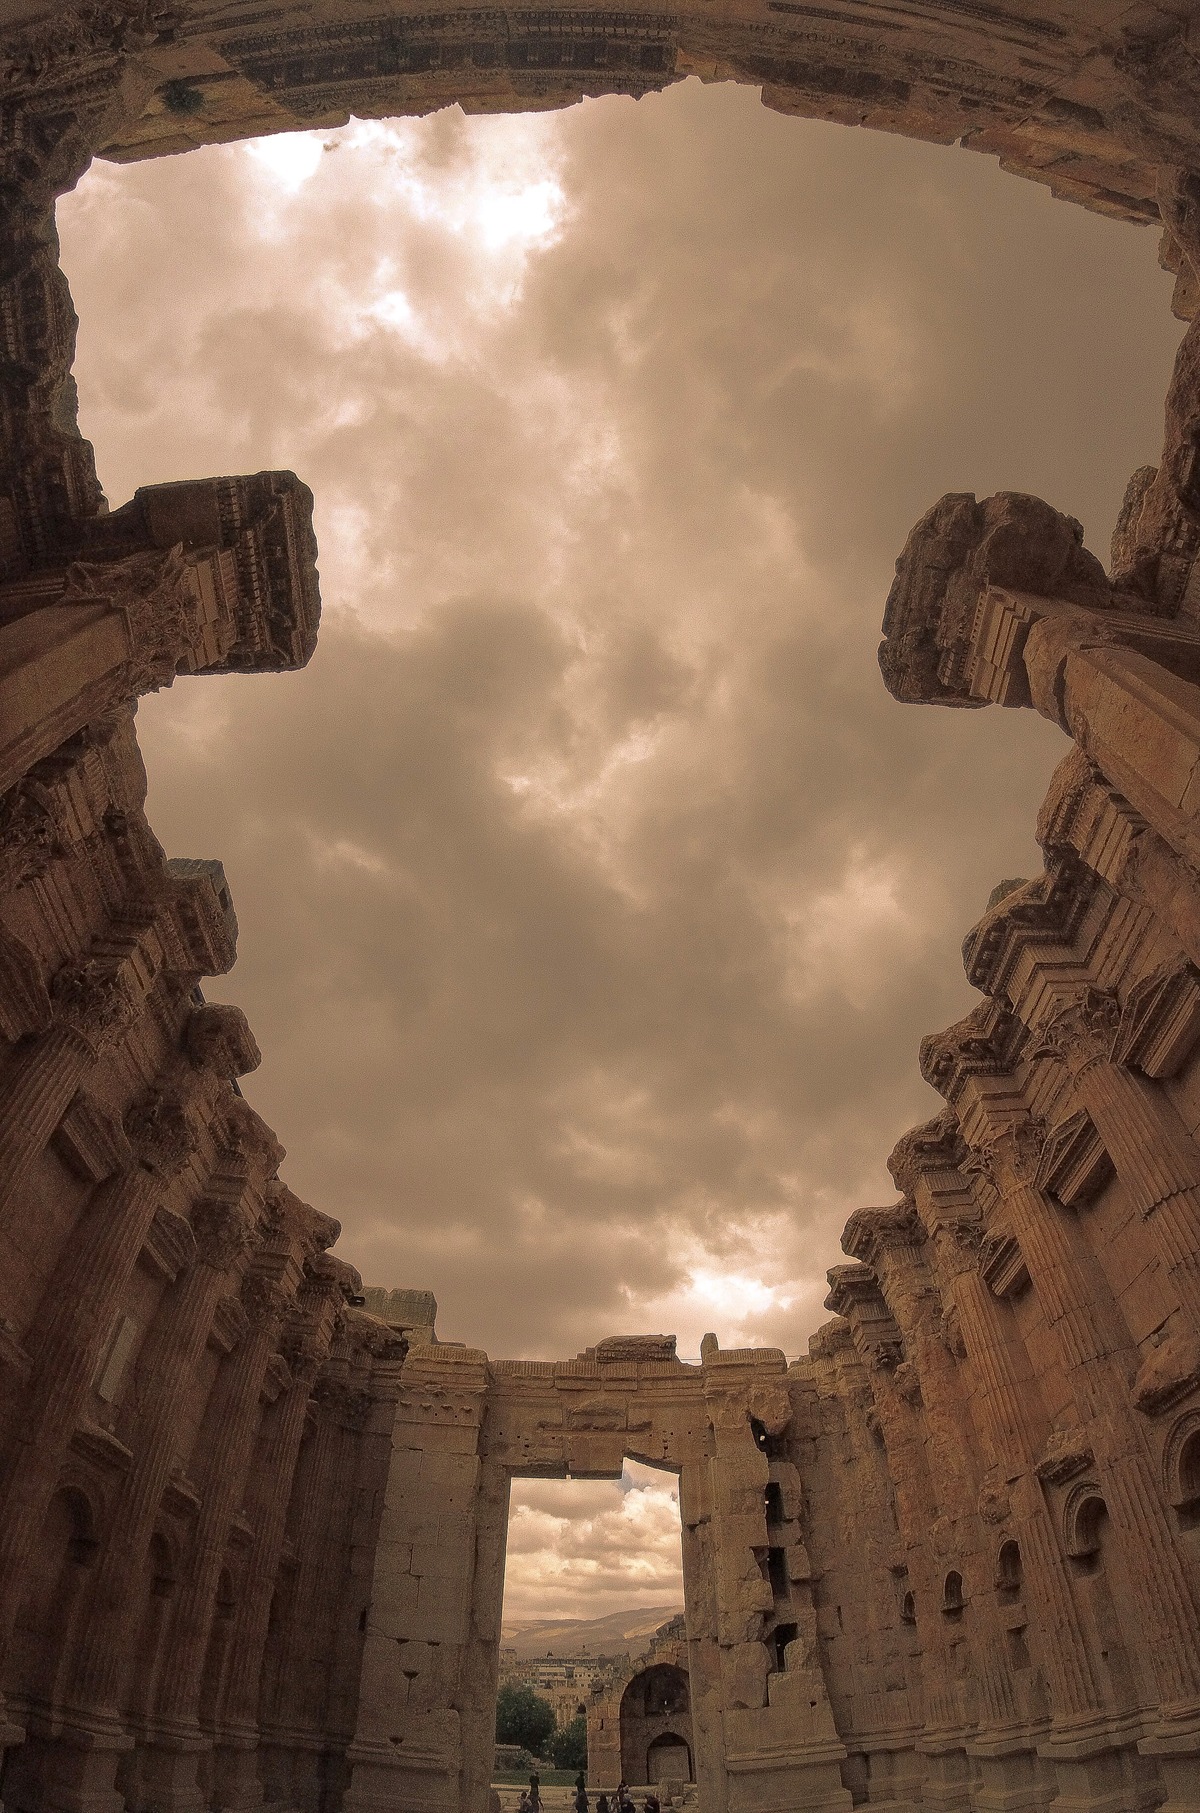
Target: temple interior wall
(253, 1516)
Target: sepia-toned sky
(594, 896)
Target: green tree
(523, 1717)
(568, 1746)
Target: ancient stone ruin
(253, 1518)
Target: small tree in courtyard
(568, 1746)
(523, 1717)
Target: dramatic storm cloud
(593, 894)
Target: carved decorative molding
(100, 1448)
(96, 998)
(1160, 1022)
(161, 1132)
(988, 1042)
(1168, 1374)
(1004, 1270)
(170, 1245)
(218, 1038)
(1081, 1032)
(230, 1324)
(1075, 1164)
(1067, 1454)
(90, 1140)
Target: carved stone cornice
(251, 1139)
(953, 556)
(218, 1039)
(871, 1232)
(987, 1043)
(855, 1293)
(1043, 912)
(327, 1276)
(935, 1146)
(293, 1219)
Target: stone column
(892, 1242)
(1097, 1357)
(294, 1725)
(172, 1350)
(780, 1743)
(855, 1294)
(73, 1324)
(239, 1787)
(1011, 1419)
(94, 1000)
(409, 1747)
(169, 1763)
(1155, 1155)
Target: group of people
(620, 1802)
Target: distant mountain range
(625, 1632)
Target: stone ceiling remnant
(253, 1517)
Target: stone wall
(253, 1518)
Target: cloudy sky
(593, 894)
(582, 1548)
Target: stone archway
(655, 1724)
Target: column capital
(265, 1303)
(222, 1231)
(161, 1132)
(96, 999)
(959, 551)
(1081, 1031)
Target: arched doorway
(656, 1725)
(668, 1759)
